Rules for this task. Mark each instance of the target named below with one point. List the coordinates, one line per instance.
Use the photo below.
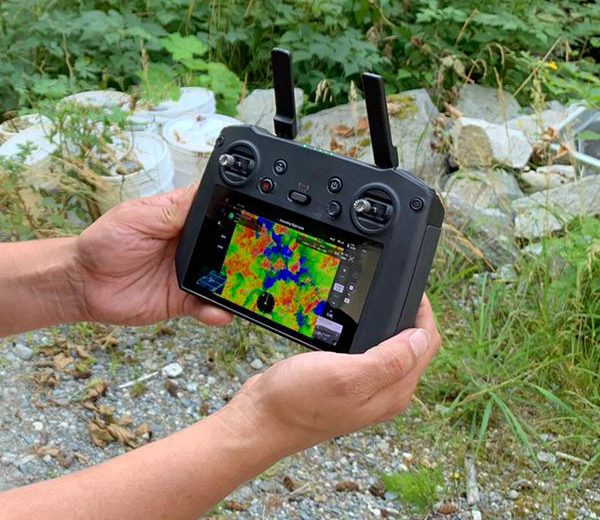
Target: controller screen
(300, 276)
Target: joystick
(322, 249)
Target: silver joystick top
(226, 160)
(362, 206)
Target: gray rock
(240, 372)
(476, 514)
(544, 212)
(540, 180)
(489, 230)
(256, 364)
(411, 127)
(38, 426)
(535, 125)
(23, 351)
(513, 495)
(479, 143)
(172, 370)
(548, 458)
(8, 458)
(484, 189)
(488, 103)
(211, 380)
(259, 107)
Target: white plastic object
(155, 178)
(7, 129)
(191, 140)
(101, 98)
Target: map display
(279, 272)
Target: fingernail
(419, 342)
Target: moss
(365, 142)
(402, 107)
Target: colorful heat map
(272, 271)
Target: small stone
(383, 446)
(172, 370)
(407, 457)
(256, 364)
(240, 372)
(211, 380)
(476, 515)
(47, 459)
(192, 387)
(548, 458)
(390, 496)
(513, 494)
(23, 352)
(38, 426)
(8, 458)
(521, 483)
(402, 467)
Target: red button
(266, 185)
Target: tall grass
(524, 351)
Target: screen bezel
(305, 224)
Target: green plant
(416, 488)
(523, 352)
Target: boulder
(487, 103)
(547, 211)
(479, 143)
(258, 108)
(548, 177)
(489, 230)
(344, 129)
(484, 189)
(535, 125)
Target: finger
(425, 320)
(208, 314)
(165, 199)
(392, 360)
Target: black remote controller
(325, 250)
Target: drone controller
(322, 249)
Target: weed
(417, 488)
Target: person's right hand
(316, 396)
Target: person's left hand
(126, 264)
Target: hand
(309, 398)
(126, 264)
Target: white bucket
(193, 100)
(191, 140)
(155, 178)
(12, 127)
(101, 98)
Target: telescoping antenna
(285, 122)
(384, 152)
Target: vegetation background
(520, 354)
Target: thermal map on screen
(278, 272)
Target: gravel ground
(51, 390)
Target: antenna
(285, 121)
(384, 152)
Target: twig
(138, 380)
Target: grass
(418, 488)
(523, 353)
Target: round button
(335, 184)
(280, 167)
(417, 204)
(266, 185)
(334, 209)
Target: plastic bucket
(193, 100)
(191, 140)
(13, 126)
(155, 177)
(101, 98)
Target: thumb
(396, 357)
(165, 215)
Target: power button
(266, 185)
(335, 185)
